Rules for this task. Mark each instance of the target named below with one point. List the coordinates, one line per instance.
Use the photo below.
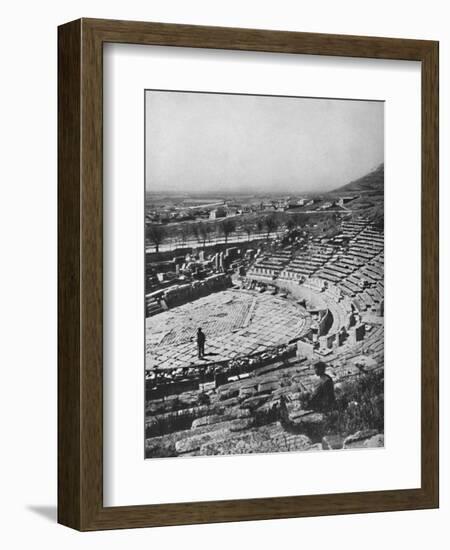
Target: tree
(204, 231)
(248, 228)
(195, 229)
(209, 229)
(156, 234)
(226, 228)
(298, 219)
(260, 224)
(271, 224)
(290, 223)
(185, 232)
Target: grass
(359, 405)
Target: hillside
(370, 183)
(370, 191)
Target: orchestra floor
(235, 322)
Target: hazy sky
(197, 142)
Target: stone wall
(181, 294)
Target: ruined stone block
(207, 420)
(331, 442)
(375, 441)
(358, 439)
(253, 403)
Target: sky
(222, 143)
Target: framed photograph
(248, 274)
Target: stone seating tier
(338, 269)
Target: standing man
(201, 343)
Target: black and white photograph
(264, 274)
(208, 211)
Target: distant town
(173, 210)
(174, 221)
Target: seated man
(322, 398)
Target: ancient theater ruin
(271, 306)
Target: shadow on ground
(47, 512)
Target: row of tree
(156, 234)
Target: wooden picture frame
(80, 272)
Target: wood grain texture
(430, 272)
(80, 241)
(69, 244)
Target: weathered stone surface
(177, 414)
(192, 453)
(268, 387)
(268, 439)
(160, 446)
(331, 442)
(227, 393)
(297, 414)
(164, 445)
(315, 447)
(375, 441)
(237, 412)
(171, 403)
(293, 396)
(358, 439)
(294, 442)
(253, 403)
(247, 383)
(207, 420)
(268, 406)
(173, 421)
(188, 400)
(159, 406)
(314, 420)
(240, 424)
(194, 443)
(283, 391)
(268, 380)
(231, 402)
(247, 392)
(302, 421)
(247, 443)
(153, 447)
(217, 432)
